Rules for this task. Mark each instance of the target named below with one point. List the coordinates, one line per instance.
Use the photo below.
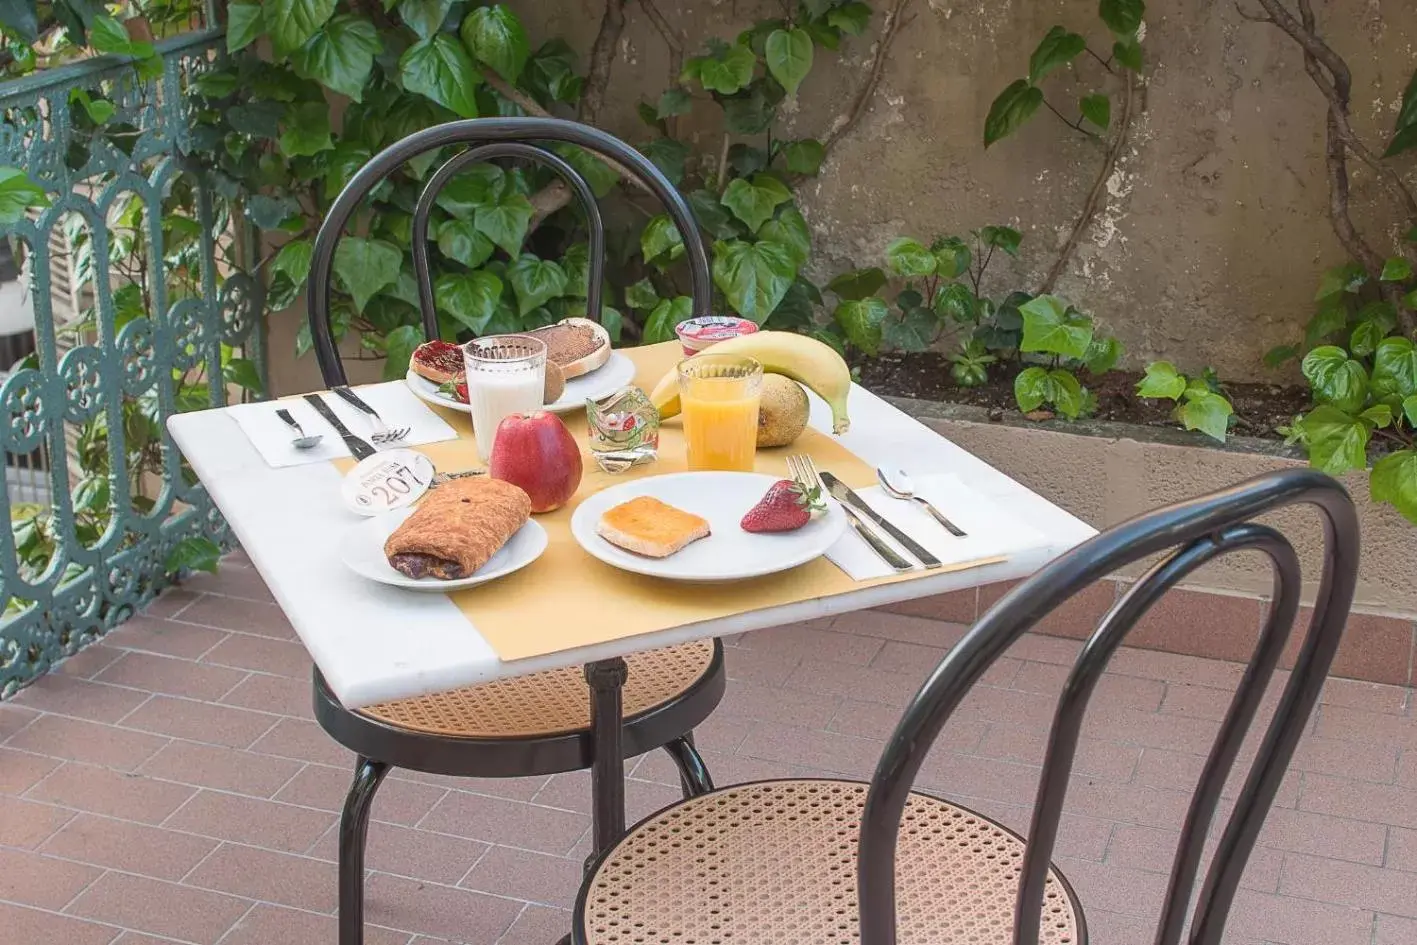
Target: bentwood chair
(537, 724)
(833, 862)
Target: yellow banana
(808, 361)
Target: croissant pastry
(457, 528)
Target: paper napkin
(990, 529)
(394, 401)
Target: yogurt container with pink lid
(696, 334)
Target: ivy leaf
(470, 297)
(1102, 355)
(307, 130)
(259, 119)
(268, 212)
(674, 101)
(790, 229)
(862, 320)
(952, 257)
(954, 300)
(1277, 355)
(668, 154)
(505, 222)
(1379, 415)
(665, 318)
(1015, 105)
(1058, 48)
(18, 194)
(641, 295)
(747, 160)
(1162, 380)
(754, 202)
(496, 38)
(424, 17)
(244, 23)
(1122, 17)
(1396, 269)
(1394, 368)
(107, 35)
(802, 157)
(340, 56)
(1409, 410)
(850, 18)
(1394, 480)
(1031, 388)
(908, 257)
(474, 188)
(1097, 109)
(1338, 442)
(857, 284)
(1336, 378)
(440, 69)
(292, 22)
(460, 240)
(398, 350)
(910, 331)
(789, 57)
(550, 74)
(1404, 131)
(366, 266)
(1036, 386)
(193, 554)
(753, 276)
(1207, 412)
(1365, 338)
(751, 111)
(1049, 326)
(535, 280)
(1066, 393)
(1346, 278)
(1410, 300)
(661, 242)
(21, 17)
(294, 260)
(599, 175)
(1127, 52)
(1004, 237)
(725, 73)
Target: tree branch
(675, 44)
(602, 58)
(894, 21)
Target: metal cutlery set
(358, 447)
(866, 521)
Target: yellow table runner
(568, 599)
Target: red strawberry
(786, 507)
(460, 389)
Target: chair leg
(694, 778)
(353, 828)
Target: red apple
(536, 452)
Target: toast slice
(650, 527)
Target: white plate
(606, 379)
(728, 553)
(363, 553)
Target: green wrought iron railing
(143, 306)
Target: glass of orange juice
(718, 395)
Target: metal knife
(884, 551)
(844, 494)
(357, 447)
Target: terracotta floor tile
(438, 911)
(324, 788)
(159, 908)
(226, 769)
(304, 741)
(1349, 884)
(13, 718)
(260, 618)
(297, 881)
(891, 626)
(89, 661)
(533, 877)
(81, 698)
(268, 693)
(274, 925)
(1095, 757)
(843, 754)
(1360, 694)
(172, 676)
(23, 926)
(1263, 917)
(1360, 800)
(571, 791)
(797, 640)
(511, 822)
(1401, 849)
(20, 770)
(151, 635)
(172, 601)
(749, 700)
(252, 821)
(47, 882)
(262, 654)
(201, 721)
(132, 848)
(27, 824)
(404, 851)
(536, 925)
(1394, 930)
(89, 742)
(230, 581)
(111, 793)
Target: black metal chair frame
(611, 738)
(1189, 534)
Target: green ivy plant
(1200, 402)
(1066, 340)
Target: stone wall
(1214, 227)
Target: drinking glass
(718, 394)
(506, 374)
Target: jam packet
(624, 429)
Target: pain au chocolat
(457, 528)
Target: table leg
(607, 771)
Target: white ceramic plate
(363, 552)
(606, 379)
(728, 553)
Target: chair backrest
(490, 138)
(1189, 535)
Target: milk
(494, 393)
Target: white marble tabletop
(374, 643)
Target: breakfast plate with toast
(579, 365)
(699, 526)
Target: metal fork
(382, 434)
(804, 472)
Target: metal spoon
(301, 440)
(898, 486)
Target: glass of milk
(506, 374)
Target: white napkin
(990, 530)
(395, 403)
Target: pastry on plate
(457, 528)
(650, 527)
(439, 361)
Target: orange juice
(719, 398)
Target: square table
(290, 522)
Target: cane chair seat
(774, 863)
(549, 703)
